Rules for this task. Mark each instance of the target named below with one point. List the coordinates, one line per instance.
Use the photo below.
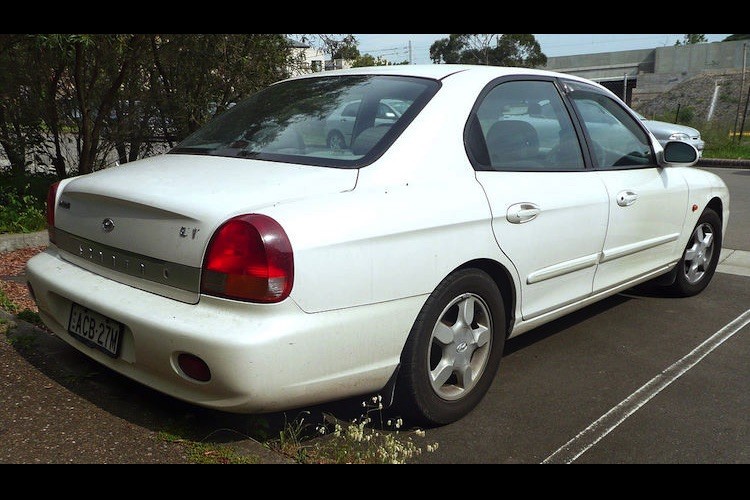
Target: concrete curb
(723, 163)
(10, 242)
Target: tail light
(51, 201)
(249, 258)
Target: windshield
(337, 121)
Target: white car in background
(250, 270)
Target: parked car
(249, 271)
(665, 131)
(340, 124)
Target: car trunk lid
(148, 223)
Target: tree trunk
(16, 156)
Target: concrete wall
(604, 65)
(699, 57)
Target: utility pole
(625, 89)
(410, 58)
(742, 86)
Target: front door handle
(522, 212)
(626, 198)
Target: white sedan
(253, 268)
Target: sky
(395, 47)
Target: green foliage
(20, 213)
(691, 40)
(7, 304)
(732, 38)
(206, 453)
(489, 49)
(370, 60)
(122, 91)
(30, 316)
(721, 144)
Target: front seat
(513, 143)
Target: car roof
(441, 71)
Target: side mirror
(679, 154)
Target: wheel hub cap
(460, 346)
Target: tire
(335, 140)
(700, 258)
(446, 368)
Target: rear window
(338, 121)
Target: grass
(205, 453)
(719, 144)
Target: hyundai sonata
(256, 268)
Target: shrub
(20, 213)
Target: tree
(732, 38)
(105, 92)
(199, 76)
(691, 40)
(488, 49)
(370, 60)
(339, 46)
(20, 112)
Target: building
(308, 59)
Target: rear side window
(523, 125)
(615, 138)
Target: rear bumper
(263, 357)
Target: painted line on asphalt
(594, 433)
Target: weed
(353, 442)
(30, 316)
(205, 453)
(7, 304)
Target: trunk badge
(108, 225)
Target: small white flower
(420, 433)
(380, 398)
(389, 422)
(374, 399)
(364, 404)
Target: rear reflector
(194, 367)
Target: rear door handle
(522, 212)
(626, 198)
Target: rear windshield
(338, 121)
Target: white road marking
(594, 433)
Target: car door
(549, 212)
(647, 204)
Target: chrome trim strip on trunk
(132, 264)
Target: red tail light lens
(249, 258)
(51, 200)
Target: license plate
(96, 330)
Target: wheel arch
(504, 281)
(717, 206)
